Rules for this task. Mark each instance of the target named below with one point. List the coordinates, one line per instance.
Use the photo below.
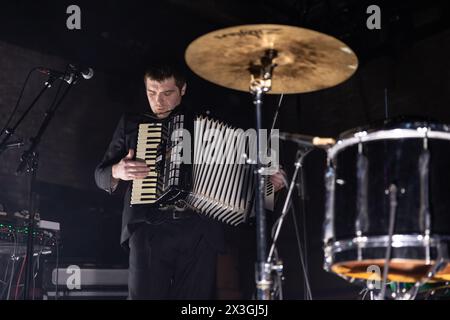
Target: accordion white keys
(207, 172)
(144, 191)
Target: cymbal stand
(261, 83)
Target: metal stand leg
(263, 269)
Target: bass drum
(388, 199)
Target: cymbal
(306, 60)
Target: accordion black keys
(208, 171)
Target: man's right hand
(129, 169)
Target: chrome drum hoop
(398, 241)
(364, 136)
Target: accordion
(208, 172)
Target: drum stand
(412, 293)
(435, 268)
(401, 293)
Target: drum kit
(386, 220)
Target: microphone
(309, 141)
(72, 75)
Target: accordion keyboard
(145, 191)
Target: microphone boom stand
(29, 163)
(10, 132)
(287, 204)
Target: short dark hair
(162, 72)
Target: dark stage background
(407, 58)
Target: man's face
(163, 96)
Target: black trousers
(171, 260)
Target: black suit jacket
(125, 138)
